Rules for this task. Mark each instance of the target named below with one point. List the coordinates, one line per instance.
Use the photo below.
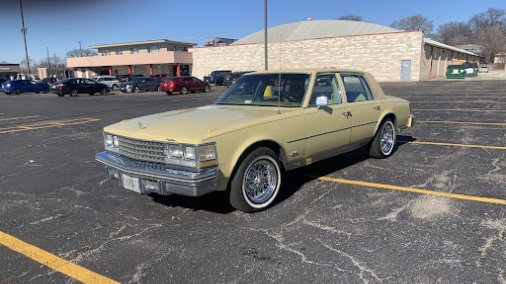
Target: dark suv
(217, 77)
(232, 77)
(138, 84)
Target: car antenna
(279, 72)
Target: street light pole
(80, 49)
(23, 31)
(265, 36)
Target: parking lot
(433, 212)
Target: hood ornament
(140, 125)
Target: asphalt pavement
(434, 212)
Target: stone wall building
(389, 54)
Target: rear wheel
(114, 87)
(60, 94)
(92, 94)
(137, 90)
(103, 92)
(169, 93)
(383, 144)
(73, 93)
(17, 91)
(257, 181)
(183, 91)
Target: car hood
(195, 125)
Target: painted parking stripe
(453, 145)
(462, 122)
(47, 124)
(461, 109)
(52, 261)
(415, 190)
(21, 117)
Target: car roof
(317, 70)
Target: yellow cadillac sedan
(265, 124)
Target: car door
(197, 84)
(365, 110)
(329, 127)
(187, 82)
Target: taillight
(60, 86)
(171, 83)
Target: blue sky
(60, 24)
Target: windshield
(286, 89)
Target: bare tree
(454, 33)
(81, 53)
(414, 23)
(490, 18)
(489, 31)
(351, 18)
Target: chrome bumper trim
(170, 180)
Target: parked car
(265, 124)
(483, 68)
(183, 85)
(217, 77)
(232, 77)
(111, 81)
(75, 86)
(127, 77)
(2, 80)
(139, 84)
(49, 80)
(22, 86)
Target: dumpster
(471, 69)
(456, 72)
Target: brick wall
(380, 54)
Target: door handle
(376, 108)
(347, 113)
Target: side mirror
(321, 101)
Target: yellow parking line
(416, 190)
(463, 122)
(455, 145)
(460, 109)
(21, 117)
(52, 261)
(26, 127)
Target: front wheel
(207, 89)
(17, 91)
(114, 87)
(73, 93)
(383, 144)
(257, 181)
(137, 90)
(103, 92)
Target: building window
(118, 52)
(107, 52)
(154, 48)
(134, 50)
(180, 48)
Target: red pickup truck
(183, 85)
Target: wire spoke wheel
(260, 180)
(387, 138)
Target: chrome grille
(142, 150)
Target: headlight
(7, 85)
(191, 155)
(108, 140)
(111, 142)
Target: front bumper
(160, 179)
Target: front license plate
(131, 183)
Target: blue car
(21, 86)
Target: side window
(356, 88)
(326, 85)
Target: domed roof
(313, 29)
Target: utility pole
(265, 36)
(23, 31)
(80, 49)
(48, 62)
